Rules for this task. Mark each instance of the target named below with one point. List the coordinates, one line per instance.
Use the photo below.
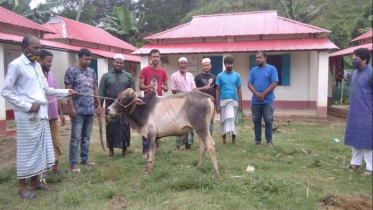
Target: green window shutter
(285, 70)
(252, 61)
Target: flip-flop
(353, 167)
(41, 186)
(75, 170)
(29, 195)
(59, 172)
(90, 164)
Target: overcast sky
(34, 3)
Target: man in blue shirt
(228, 99)
(262, 81)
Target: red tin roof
(238, 24)
(70, 29)
(62, 46)
(11, 18)
(247, 46)
(349, 50)
(364, 36)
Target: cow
(155, 117)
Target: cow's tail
(214, 108)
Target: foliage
(124, 23)
(163, 14)
(296, 174)
(17, 6)
(43, 12)
(295, 11)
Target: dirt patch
(8, 152)
(335, 202)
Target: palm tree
(294, 11)
(124, 23)
(42, 12)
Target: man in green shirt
(112, 83)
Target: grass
(304, 166)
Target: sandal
(353, 167)
(75, 170)
(28, 195)
(90, 164)
(367, 173)
(59, 172)
(41, 186)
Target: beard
(229, 68)
(45, 68)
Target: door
(216, 64)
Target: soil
(335, 202)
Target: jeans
(81, 129)
(258, 112)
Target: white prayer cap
(183, 59)
(206, 60)
(120, 56)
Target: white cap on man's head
(120, 56)
(183, 59)
(206, 60)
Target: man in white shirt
(25, 87)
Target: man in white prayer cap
(183, 81)
(112, 83)
(205, 82)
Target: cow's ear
(139, 101)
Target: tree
(124, 23)
(43, 12)
(163, 14)
(295, 11)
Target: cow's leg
(202, 150)
(152, 150)
(209, 144)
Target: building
(298, 50)
(63, 37)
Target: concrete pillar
(102, 67)
(2, 100)
(313, 79)
(330, 90)
(322, 85)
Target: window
(282, 64)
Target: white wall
(2, 76)
(303, 73)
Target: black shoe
(187, 146)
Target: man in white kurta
(183, 81)
(25, 87)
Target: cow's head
(125, 103)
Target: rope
(117, 197)
(240, 119)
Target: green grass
(304, 159)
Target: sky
(34, 3)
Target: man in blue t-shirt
(262, 81)
(228, 99)
(82, 108)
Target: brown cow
(155, 117)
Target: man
(112, 83)
(228, 99)
(26, 88)
(359, 122)
(54, 108)
(82, 108)
(183, 81)
(205, 82)
(155, 78)
(262, 81)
